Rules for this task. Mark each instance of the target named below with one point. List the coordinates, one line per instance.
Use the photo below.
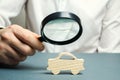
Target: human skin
(16, 43)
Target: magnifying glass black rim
(61, 15)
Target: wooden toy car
(57, 64)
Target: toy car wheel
(75, 71)
(55, 71)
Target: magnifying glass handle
(41, 39)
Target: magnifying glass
(61, 28)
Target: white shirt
(100, 20)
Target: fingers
(27, 37)
(10, 53)
(4, 59)
(16, 44)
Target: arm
(9, 9)
(16, 43)
(110, 35)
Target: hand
(16, 43)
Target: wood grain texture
(57, 64)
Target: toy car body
(57, 64)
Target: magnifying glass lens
(61, 29)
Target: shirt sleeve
(110, 35)
(8, 10)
